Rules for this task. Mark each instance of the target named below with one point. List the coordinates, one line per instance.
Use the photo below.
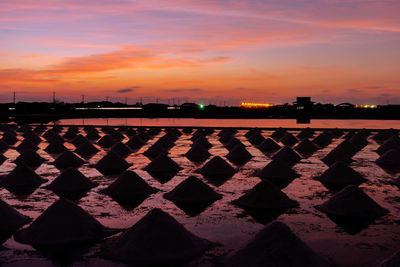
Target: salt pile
(55, 148)
(29, 158)
(68, 159)
(197, 153)
(288, 140)
(217, 168)
(22, 180)
(193, 191)
(11, 221)
(128, 188)
(63, 224)
(265, 196)
(157, 238)
(239, 155)
(268, 146)
(121, 149)
(86, 150)
(70, 183)
(352, 202)
(306, 147)
(112, 163)
(278, 173)
(287, 155)
(276, 245)
(339, 175)
(337, 155)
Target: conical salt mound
(78, 140)
(197, 153)
(390, 159)
(239, 155)
(359, 141)
(202, 140)
(233, 143)
(339, 175)
(217, 168)
(337, 155)
(193, 191)
(224, 139)
(352, 202)
(268, 146)
(121, 149)
(117, 135)
(55, 138)
(224, 131)
(106, 141)
(11, 221)
(3, 146)
(278, 133)
(385, 135)
(348, 147)
(288, 140)
(252, 131)
(71, 182)
(135, 142)
(278, 173)
(187, 130)
(29, 158)
(86, 150)
(265, 196)
(392, 261)
(157, 238)
(112, 163)
(130, 132)
(256, 139)
(128, 188)
(288, 155)
(323, 139)
(92, 135)
(55, 148)
(22, 180)
(26, 144)
(166, 142)
(68, 159)
(155, 150)
(306, 133)
(391, 143)
(276, 245)
(63, 224)
(31, 136)
(162, 164)
(9, 138)
(306, 147)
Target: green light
(201, 106)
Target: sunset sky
(212, 51)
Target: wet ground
(223, 223)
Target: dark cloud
(182, 90)
(354, 91)
(127, 90)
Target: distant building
(303, 103)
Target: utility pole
(14, 98)
(54, 97)
(107, 98)
(83, 99)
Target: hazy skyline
(272, 51)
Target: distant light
(366, 106)
(201, 106)
(255, 105)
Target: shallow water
(247, 123)
(228, 226)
